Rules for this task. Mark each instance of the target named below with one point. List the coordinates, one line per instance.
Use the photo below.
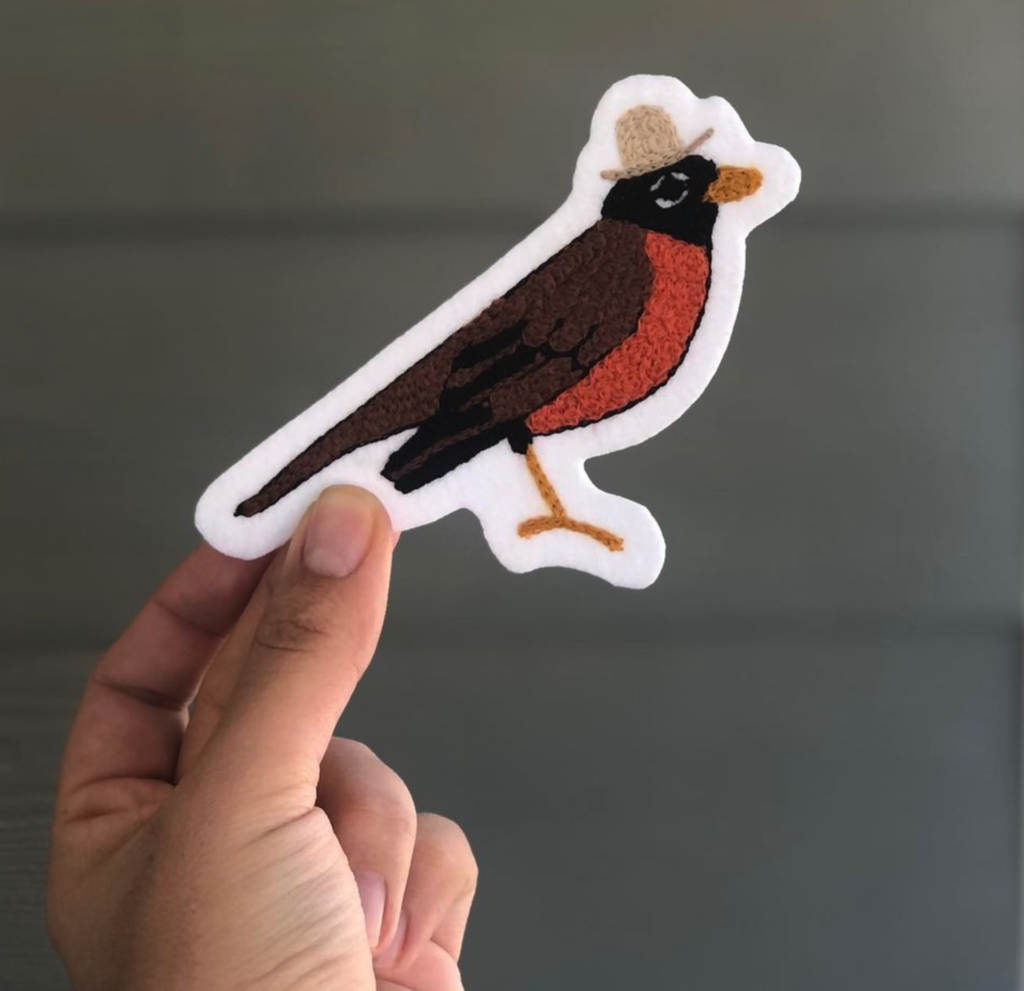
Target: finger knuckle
(385, 799)
(290, 629)
(443, 830)
(445, 843)
(350, 750)
(375, 787)
(390, 812)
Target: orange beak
(734, 183)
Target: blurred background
(793, 763)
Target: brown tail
(407, 402)
(353, 432)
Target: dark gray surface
(313, 105)
(793, 763)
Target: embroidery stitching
(644, 361)
(559, 519)
(596, 329)
(557, 338)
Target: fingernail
(339, 531)
(373, 894)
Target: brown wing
(526, 348)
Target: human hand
(244, 847)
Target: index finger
(134, 708)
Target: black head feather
(669, 200)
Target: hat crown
(647, 135)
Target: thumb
(319, 630)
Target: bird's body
(555, 341)
(596, 329)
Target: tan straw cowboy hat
(648, 140)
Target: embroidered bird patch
(591, 335)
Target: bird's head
(666, 186)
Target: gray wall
(792, 763)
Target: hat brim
(642, 168)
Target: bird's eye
(664, 202)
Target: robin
(595, 330)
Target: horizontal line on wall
(212, 225)
(412, 635)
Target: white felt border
(495, 485)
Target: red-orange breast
(646, 359)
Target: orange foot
(543, 524)
(559, 519)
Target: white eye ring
(665, 204)
(681, 176)
(660, 180)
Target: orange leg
(559, 519)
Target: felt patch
(594, 333)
